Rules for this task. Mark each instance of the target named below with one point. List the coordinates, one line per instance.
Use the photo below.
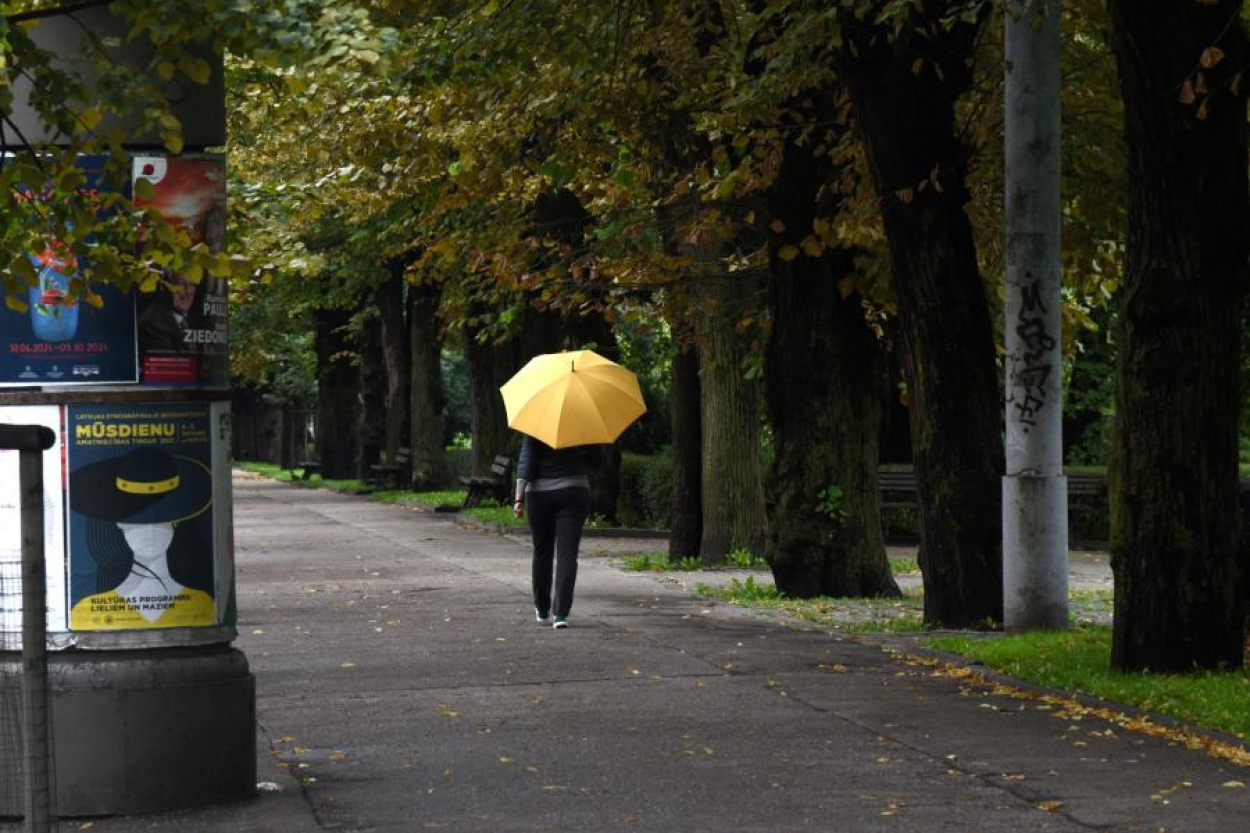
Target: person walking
(563, 404)
(553, 488)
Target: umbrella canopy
(573, 398)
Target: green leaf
(197, 69)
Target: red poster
(182, 325)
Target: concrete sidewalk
(404, 686)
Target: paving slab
(402, 685)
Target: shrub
(645, 498)
(459, 463)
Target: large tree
(826, 379)
(1178, 560)
(905, 79)
(338, 385)
(429, 466)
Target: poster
(182, 325)
(11, 527)
(142, 525)
(58, 341)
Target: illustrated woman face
(148, 541)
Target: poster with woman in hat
(140, 495)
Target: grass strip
(1080, 660)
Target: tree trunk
(825, 385)
(686, 526)
(905, 113)
(489, 429)
(429, 462)
(338, 392)
(371, 421)
(1179, 567)
(396, 355)
(256, 426)
(733, 493)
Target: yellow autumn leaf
(1049, 806)
(788, 252)
(1211, 56)
(777, 226)
(197, 69)
(1187, 93)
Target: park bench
(494, 485)
(307, 469)
(391, 475)
(896, 489)
(896, 486)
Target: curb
(910, 645)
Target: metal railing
(31, 441)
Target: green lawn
(1080, 660)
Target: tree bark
(1179, 566)
(489, 424)
(686, 526)
(396, 357)
(338, 394)
(825, 385)
(906, 121)
(733, 492)
(373, 409)
(426, 403)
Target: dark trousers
(556, 521)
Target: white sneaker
(542, 620)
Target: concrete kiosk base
(139, 731)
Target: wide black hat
(145, 485)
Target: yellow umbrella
(572, 398)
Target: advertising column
(138, 538)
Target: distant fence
(25, 588)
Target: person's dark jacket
(539, 461)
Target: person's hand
(518, 509)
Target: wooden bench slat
(494, 485)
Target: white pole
(39, 803)
(1035, 497)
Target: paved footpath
(402, 685)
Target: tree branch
(56, 11)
